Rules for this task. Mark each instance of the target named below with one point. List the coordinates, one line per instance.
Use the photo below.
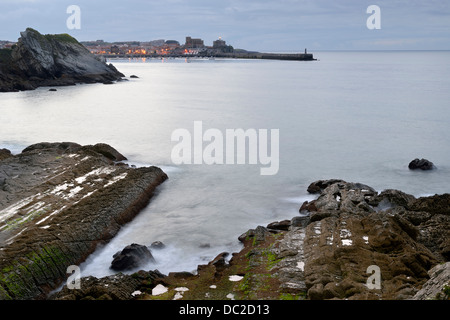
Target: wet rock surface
(332, 252)
(422, 164)
(58, 201)
(116, 287)
(131, 257)
(438, 286)
(354, 227)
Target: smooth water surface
(357, 116)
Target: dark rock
(431, 215)
(134, 77)
(51, 60)
(115, 287)
(318, 186)
(300, 221)
(354, 227)
(406, 226)
(62, 184)
(339, 249)
(308, 206)
(63, 146)
(344, 196)
(392, 198)
(256, 235)
(181, 275)
(422, 164)
(107, 151)
(4, 154)
(220, 260)
(437, 287)
(260, 234)
(280, 225)
(322, 214)
(157, 245)
(131, 257)
(437, 204)
(52, 90)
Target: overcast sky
(263, 25)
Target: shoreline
(285, 259)
(246, 55)
(321, 253)
(65, 200)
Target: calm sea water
(358, 116)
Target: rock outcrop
(438, 287)
(422, 164)
(58, 201)
(351, 243)
(353, 227)
(116, 287)
(131, 257)
(51, 60)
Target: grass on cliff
(63, 37)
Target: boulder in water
(131, 257)
(422, 164)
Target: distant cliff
(50, 60)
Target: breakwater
(239, 55)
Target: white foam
(165, 168)
(299, 200)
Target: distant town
(194, 47)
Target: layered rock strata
(58, 202)
(352, 242)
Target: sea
(357, 116)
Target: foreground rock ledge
(323, 253)
(58, 201)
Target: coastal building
(194, 43)
(219, 43)
(115, 49)
(221, 46)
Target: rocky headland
(58, 202)
(334, 249)
(51, 60)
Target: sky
(260, 25)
